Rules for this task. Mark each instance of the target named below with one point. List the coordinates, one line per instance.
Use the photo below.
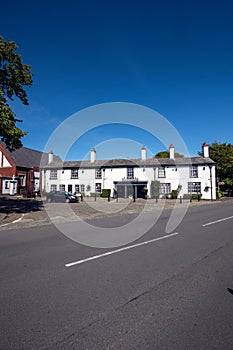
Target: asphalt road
(170, 293)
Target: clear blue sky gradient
(175, 57)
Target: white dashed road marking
(78, 262)
(217, 221)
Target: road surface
(164, 291)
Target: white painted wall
(177, 176)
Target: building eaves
(116, 163)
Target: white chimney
(50, 157)
(93, 155)
(143, 153)
(205, 150)
(171, 152)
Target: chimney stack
(205, 150)
(171, 152)
(143, 153)
(50, 157)
(93, 155)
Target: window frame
(130, 173)
(74, 173)
(193, 171)
(194, 187)
(98, 173)
(161, 172)
(53, 174)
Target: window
(130, 173)
(21, 180)
(98, 188)
(193, 171)
(7, 185)
(76, 188)
(53, 188)
(165, 188)
(62, 188)
(82, 188)
(74, 173)
(161, 172)
(53, 174)
(194, 187)
(98, 174)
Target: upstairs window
(130, 173)
(98, 174)
(74, 173)
(161, 172)
(193, 171)
(53, 174)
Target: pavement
(26, 212)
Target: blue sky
(175, 57)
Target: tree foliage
(14, 77)
(166, 154)
(222, 154)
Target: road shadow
(9, 205)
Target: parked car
(61, 197)
(229, 192)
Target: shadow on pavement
(9, 205)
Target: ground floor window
(62, 188)
(98, 188)
(76, 188)
(53, 188)
(22, 180)
(82, 188)
(7, 185)
(194, 187)
(165, 188)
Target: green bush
(186, 196)
(105, 193)
(175, 193)
(220, 194)
(193, 196)
(93, 194)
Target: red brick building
(20, 170)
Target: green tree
(166, 154)
(14, 77)
(222, 154)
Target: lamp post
(211, 183)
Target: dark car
(61, 197)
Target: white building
(134, 177)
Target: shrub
(186, 196)
(93, 194)
(105, 193)
(192, 196)
(175, 193)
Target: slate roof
(28, 158)
(115, 163)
